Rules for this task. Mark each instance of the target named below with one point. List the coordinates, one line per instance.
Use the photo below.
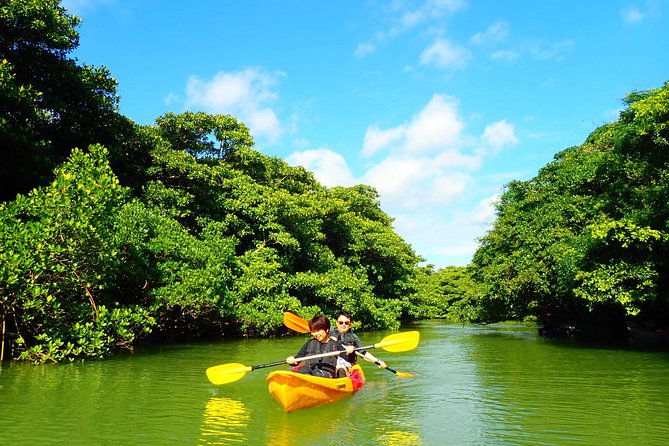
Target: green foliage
(443, 293)
(89, 339)
(59, 262)
(203, 135)
(298, 245)
(590, 230)
(49, 104)
(170, 231)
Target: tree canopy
(588, 234)
(115, 233)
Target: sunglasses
(344, 322)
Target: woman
(321, 343)
(350, 341)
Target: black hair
(319, 323)
(345, 314)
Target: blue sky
(436, 103)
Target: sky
(437, 104)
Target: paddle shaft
(227, 373)
(305, 358)
(393, 371)
(295, 322)
(378, 363)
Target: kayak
(294, 391)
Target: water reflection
(474, 386)
(225, 421)
(399, 438)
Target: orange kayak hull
(295, 391)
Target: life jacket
(344, 340)
(328, 363)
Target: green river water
(492, 385)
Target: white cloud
(429, 11)
(329, 167)
(555, 51)
(364, 49)
(436, 127)
(413, 183)
(444, 54)
(456, 159)
(377, 139)
(395, 178)
(424, 172)
(485, 211)
(243, 94)
(446, 188)
(499, 134)
(440, 234)
(403, 18)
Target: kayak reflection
(225, 421)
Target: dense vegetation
(586, 240)
(114, 233)
(124, 232)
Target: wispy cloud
(244, 94)
(555, 51)
(495, 33)
(402, 19)
(364, 49)
(632, 15)
(507, 56)
(445, 54)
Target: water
(495, 385)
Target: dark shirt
(348, 338)
(325, 364)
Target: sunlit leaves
(60, 258)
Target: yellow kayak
(294, 391)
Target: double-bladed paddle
(227, 373)
(294, 322)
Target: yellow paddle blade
(227, 373)
(399, 342)
(294, 322)
(405, 375)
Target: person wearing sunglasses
(320, 343)
(350, 341)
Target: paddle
(227, 373)
(400, 374)
(294, 322)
